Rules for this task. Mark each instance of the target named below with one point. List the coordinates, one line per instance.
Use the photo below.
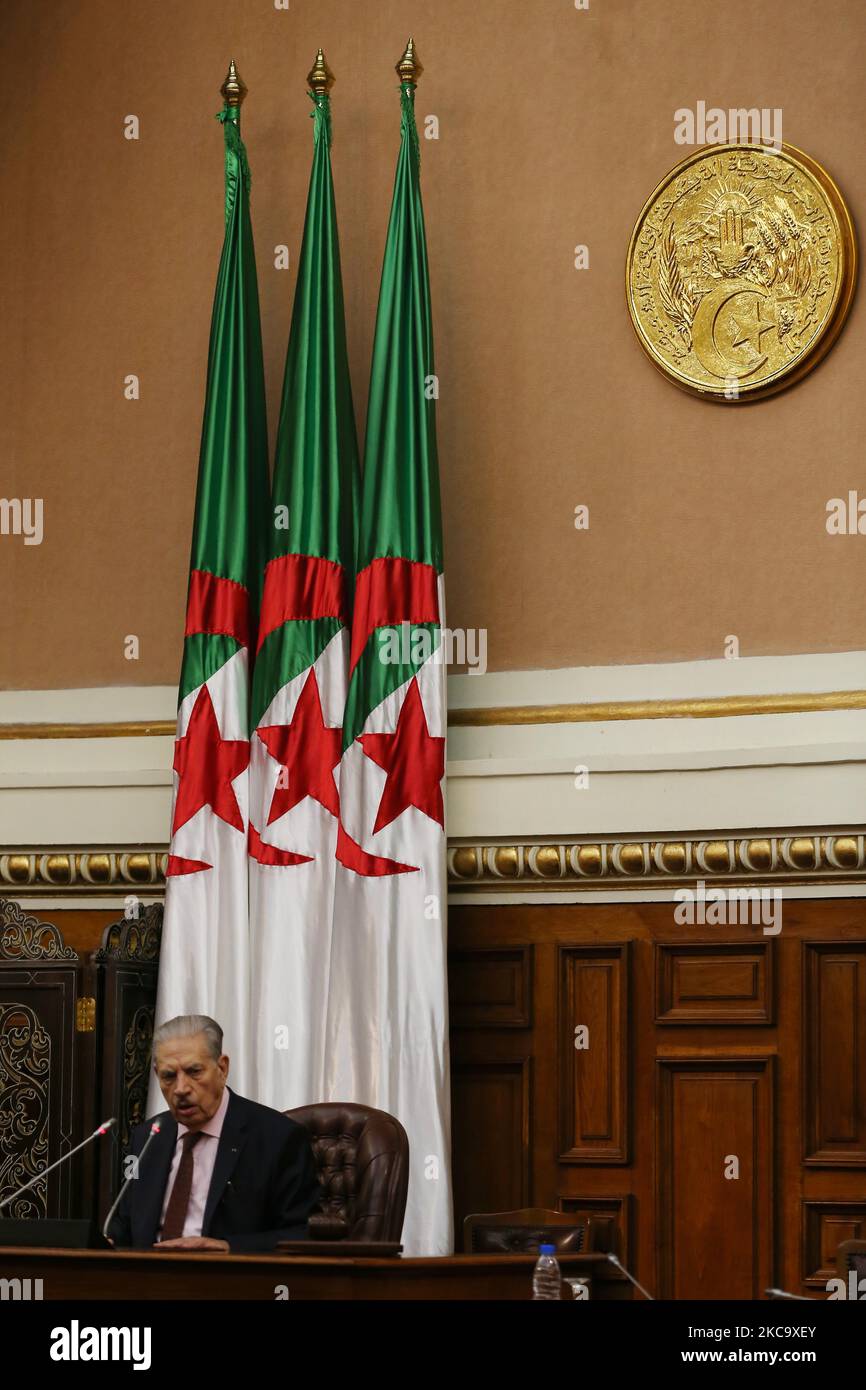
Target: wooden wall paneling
(620, 1209)
(834, 1053)
(493, 1070)
(776, 1001)
(825, 1226)
(707, 983)
(491, 1114)
(714, 1234)
(490, 987)
(593, 1081)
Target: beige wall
(555, 126)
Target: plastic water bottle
(546, 1278)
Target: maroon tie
(178, 1202)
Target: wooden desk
(134, 1274)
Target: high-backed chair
(521, 1232)
(362, 1160)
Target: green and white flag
(299, 688)
(204, 957)
(388, 1015)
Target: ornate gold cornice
(525, 866)
(714, 707)
(839, 857)
(84, 872)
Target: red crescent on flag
(352, 856)
(217, 606)
(391, 591)
(301, 587)
(177, 865)
(272, 856)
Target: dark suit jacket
(263, 1188)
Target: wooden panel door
(714, 1176)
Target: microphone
(620, 1266)
(97, 1133)
(783, 1293)
(154, 1131)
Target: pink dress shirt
(204, 1157)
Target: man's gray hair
(185, 1026)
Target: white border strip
(810, 673)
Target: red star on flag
(207, 764)
(414, 762)
(308, 750)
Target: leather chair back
(362, 1159)
(851, 1254)
(522, 1232)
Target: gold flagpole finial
(409, 68)
(233, 89)
(320, 79)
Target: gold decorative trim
(711, 707)
(130, 728)
(320, 79)
(409, 67)
(234, 88)
(839, 857)
(85, 872)
(85, 1014)
(528, 866)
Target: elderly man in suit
(224, 1173)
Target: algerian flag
(204, 955)
(299, 690)
(388, 1016)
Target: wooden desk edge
(408, 1264)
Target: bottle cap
(547, 1249)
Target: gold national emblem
(741, 270)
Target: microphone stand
(154, 1131)
(103, 1129)
(619, 1264)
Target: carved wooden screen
(124, 974)
(40, 1109)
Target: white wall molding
(813, 673)
(807, 673)
(114, 704)
(737, 774)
